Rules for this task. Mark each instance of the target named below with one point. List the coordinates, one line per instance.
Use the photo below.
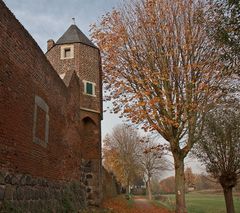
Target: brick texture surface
(74, 133)
(86, 64)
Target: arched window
(89, 127)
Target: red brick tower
(74, 52)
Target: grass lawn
(202, 203)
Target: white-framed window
(67, 51)
(89, 88)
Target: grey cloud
(45, 19)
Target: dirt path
(138, 205)
(142, 205)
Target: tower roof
(74, 35)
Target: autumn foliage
(201, 183)
(121, 205)
(190, 178)
(167, 185)
(160, 70)
(157, 63)
(121, 153)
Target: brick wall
(42, 128)
(111, 188)
(25, 72)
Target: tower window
(67, 51)
(89, 88)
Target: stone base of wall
(92, 180)
(23, 193)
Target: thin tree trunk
(229, 200)
(149, 189)
(179, 185)
(128, 186)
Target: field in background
(200, 202)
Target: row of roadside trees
(131, 157)
(165, 62)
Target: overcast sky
(45, 19)
(49, 19)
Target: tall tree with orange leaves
(160, 71)
(121, 154)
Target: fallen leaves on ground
(138, 205)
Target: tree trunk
(179, 184)
(128, 186)
(229, 199)
(149, 189)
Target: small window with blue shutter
(89, 88)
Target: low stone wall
(23, 193)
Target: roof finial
(74, 21)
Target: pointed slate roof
(74, 35)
